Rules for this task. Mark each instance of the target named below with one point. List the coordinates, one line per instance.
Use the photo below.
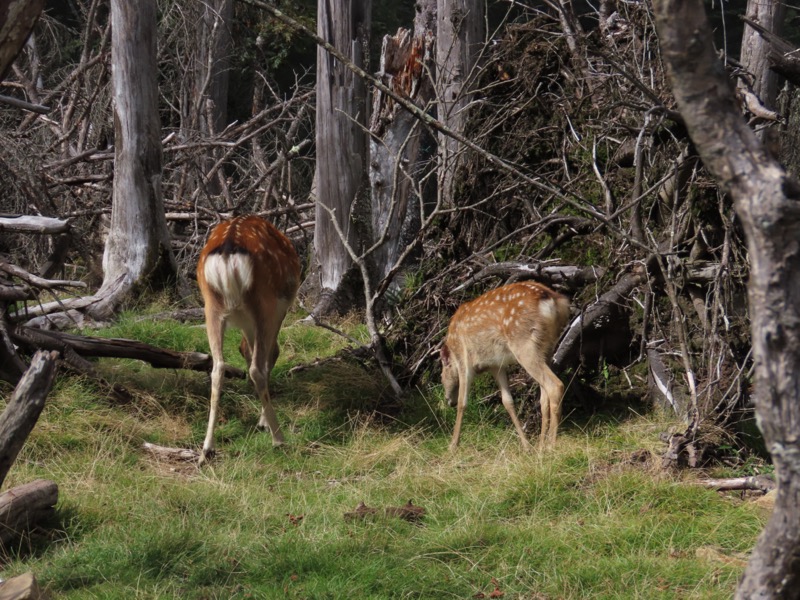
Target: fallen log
(568, 276)
(23, 507)
(33, 224)
(599, 326)
(86, 346)
(408, 512)
(172, 454)
(760, 483)
(24, 408)
(35, 280)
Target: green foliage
(579, 521)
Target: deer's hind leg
(262, 341)
(215, 329)
(552, 390)
(501, 377)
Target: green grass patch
(580, 521)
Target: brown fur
(254, 276)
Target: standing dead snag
(249, 274)
(517, 323)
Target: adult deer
(518, 323)
(248, 274)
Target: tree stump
(22, 507)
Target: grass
(580, 521)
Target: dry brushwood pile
(639, 236)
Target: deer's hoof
(205, 456)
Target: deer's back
(485, 329)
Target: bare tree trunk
(755, 49)
(211, 78)
(138, 247)
(17, 19)
(341, 145)
(460, 34)
(406, 63)
(766, 200)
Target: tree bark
(17, 19)
(767, 201)
(138, 251)
(460, 35)
(755, 54)
(341, 143)
(211, 81)
(24, 408)
(406, 64)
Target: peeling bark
(406, 64)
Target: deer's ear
(445, 354)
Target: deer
(248, 273)
(518, 323)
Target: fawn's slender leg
(551, 389)
(556, 394)
(501, 377)
(464, 382)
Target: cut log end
(24, 507)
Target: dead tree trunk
(460, 35)
(755, 55)
(17, 19)
(406, 65)
(210, 82)
(341, 146)
(768, 202)
(138, 249)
